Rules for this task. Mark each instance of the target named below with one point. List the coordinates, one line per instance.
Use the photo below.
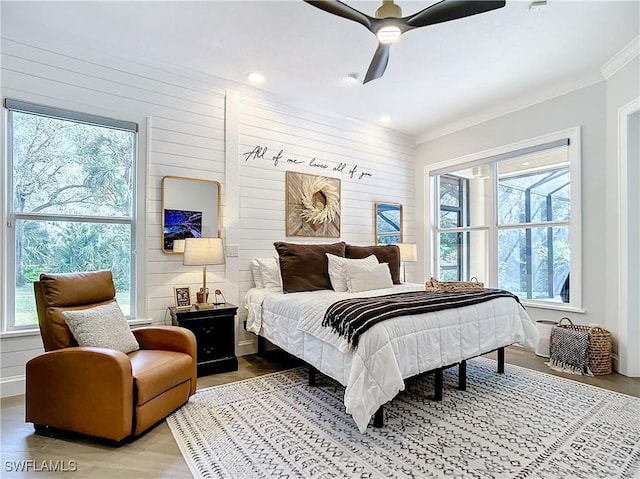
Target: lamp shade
(178, 246)
(408, 252)
(203, 251)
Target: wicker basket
(599, 346)
(436, 286)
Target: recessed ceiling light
(255, 77)
(538, 6)
(350, 80)
(526, 163)
(385, 119)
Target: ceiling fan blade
(378, 64)
(445, 11)
(342, 10)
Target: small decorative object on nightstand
(214, 329)
(182, 296)
(219, 293)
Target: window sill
(36, 332)
(553, 306)
(19, 334)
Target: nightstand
(215, 336)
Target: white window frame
(7, 279)
(484, 157)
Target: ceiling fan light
(388, 34)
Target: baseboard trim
(12, 386)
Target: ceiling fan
(389, 23)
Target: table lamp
(178, 246)
(408, 253)
(201, 252)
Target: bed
(389, 352)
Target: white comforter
(390, 351)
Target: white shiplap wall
(181, 122)
(190, 150)
(387, 155)
(191, 126)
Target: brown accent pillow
(304, 267)
(386, 254)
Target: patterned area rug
(522, 424)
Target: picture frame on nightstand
(182, 297)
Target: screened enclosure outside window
(462, 226)
(509, 220)
(72, 202)
(534, 211)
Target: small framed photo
(182, 296)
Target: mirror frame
(376, 213)
(190, 200)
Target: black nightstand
(215, 335)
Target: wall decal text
(262, 153)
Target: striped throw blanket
(350, 318)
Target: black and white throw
(519, 425)
(352, 317)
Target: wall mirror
(190, 209)
(388, 223)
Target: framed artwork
(180, 224)
(388, 223)
(182, 296)
(312, 205)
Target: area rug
(521, 424)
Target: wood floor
(155, 454)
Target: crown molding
(620, 59)
(541, 95)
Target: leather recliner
(97, 391)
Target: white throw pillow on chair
(101, 327)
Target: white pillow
(365, 277)
(101, 327)
(338, 273)
(255, 272)
(270, 272)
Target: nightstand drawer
(214, 337)
(214, 330)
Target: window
(453, 202)
(510, 218)
(534, 211)
(71, 205)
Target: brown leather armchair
(97, 391)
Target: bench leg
(261, 346)
(378, 417)
(312, 376)
(438, 385)
(462, 375)
(501, 360)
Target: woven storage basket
(599, 346)
(453, 286)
